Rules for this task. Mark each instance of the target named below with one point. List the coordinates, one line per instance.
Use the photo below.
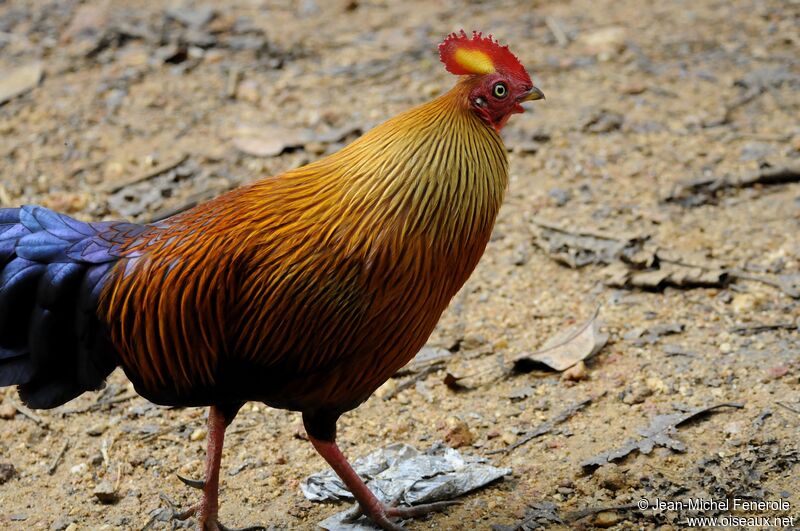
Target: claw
(212, 525)
(221, 527)
(415, 511)
(194, 483)
(177, 514)
(391, 511)
(353, 514)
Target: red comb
(500, 57)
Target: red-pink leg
(208, 508)
(216, 438)
(377, 511)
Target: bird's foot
(205, 522)
(382, 515)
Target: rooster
(305, 291)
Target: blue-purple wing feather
(52, 272)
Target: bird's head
(498, 83)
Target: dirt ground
(131, 109)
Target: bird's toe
(415, 511)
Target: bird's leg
(322, 434)
(219, 417)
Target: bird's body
(331, 276)
(305, 291)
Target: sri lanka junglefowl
(305, 291)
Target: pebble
(248, 91)
(576, 373)
(606, 519)
(508, 438)
(80, 468)
(7, 472)
(198, 434)
(638, 395)
(744, 303)
(656, 385)
(605, 42)
(96, 430)
(611, 477)
(104, 491)
(61, 524)
(457, 433)
(7, 411)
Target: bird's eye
(500, 90)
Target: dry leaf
(267, 141)
(17, 81)
(578, 248)
(659, 433)
(569, 346)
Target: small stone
(611, 477)
(71, 527)
(104, 491)
(80, 468)
(605, 43)
(61, 524)
(656, 385)
(777, 372)
(508, 438)
(198, 434)
(7, 472)
(96, 430)
(744, 303)
(315, 148)
(248, 91)
(472, 341)
(457, 433)
(7, 411)
(606, 519)
(576, 373)
(637, 396)
(725, 348)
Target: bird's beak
(532, 95)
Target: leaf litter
(399, 473)
(568, 347)
(659, 433)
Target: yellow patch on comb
(474, 61)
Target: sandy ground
(140, 111)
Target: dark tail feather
(52, 344)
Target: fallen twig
(417, 377)
(164, 431)
(555, 27)
(545, 427)
(589, 511)
(52, 468)
(100, 404)
(757, 329)
(190, 202)
(30, 414)
(149, 174)
(790, 408)
(786, 287)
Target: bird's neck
(436, 170)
